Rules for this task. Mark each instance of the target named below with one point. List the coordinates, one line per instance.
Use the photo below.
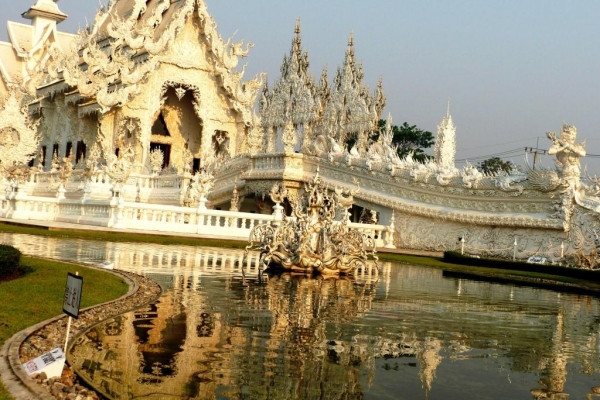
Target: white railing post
(277, 214)
(389, 233)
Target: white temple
(144, 121)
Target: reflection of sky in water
(409, 334)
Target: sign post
(72, 300)
(52, 363)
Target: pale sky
(512, 69)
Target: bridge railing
(118, 213)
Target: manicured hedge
(579, 273)
(10, 258)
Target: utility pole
(535, 151)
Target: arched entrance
(177, 130)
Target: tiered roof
(102, 66)
(339, 111)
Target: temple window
(80, 151)
(68, 149)
(42, 156)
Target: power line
(513, 152)
(498, 144)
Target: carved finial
(351, 39)
(297, 29)
(448, 110)
(297, 42)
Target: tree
(409, 139)
(494, 165)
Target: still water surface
(408, 333)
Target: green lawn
(38, 295)
(133, 237)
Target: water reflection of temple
(282, 330)
(293, 338)
(276, 347)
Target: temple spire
(42, 14)
(445, 143)
(45, 9)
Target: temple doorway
(177, 130)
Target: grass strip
(38, 295)
(118, 236)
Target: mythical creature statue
(445, 175)
(119, 167)
(311, 240)
(567, 153)
(507, 181)
(200, 185)
(567, 160)
(471, 176)
(65, 170)
(15, 174)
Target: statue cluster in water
(312, 240)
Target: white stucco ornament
(19, 139)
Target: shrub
(10, 259)
(578, 273)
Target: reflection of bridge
(146, 258)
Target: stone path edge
(14, 378)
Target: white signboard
(51, 363)
(72, 297)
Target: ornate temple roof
(294, 94)
(28, 43)
(125, 43)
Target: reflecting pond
(409, 332)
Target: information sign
(72, 297)
(51, 363)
